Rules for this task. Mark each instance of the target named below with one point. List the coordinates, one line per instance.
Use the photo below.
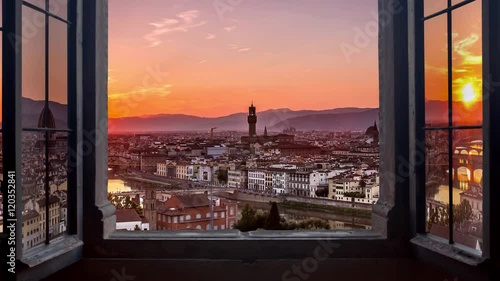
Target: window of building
(453, 80)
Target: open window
(399, 218)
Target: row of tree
(124, 202)
(462, 212)
(252, 219)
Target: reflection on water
(117, 185)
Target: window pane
(436, 182)
(58, 72)
(467, 181)
(436, 72)
(59, 8)
(1, 13)
(33, 67)
(33, 181)
(58, 181)
(434, 6)
(467, 65)
(38, 3)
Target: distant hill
(350, 118)
(234, 122)
(331, 122)
(31, 110)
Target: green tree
(322, 192)
(248, 219)
(222, 175)
(362, 183)
(273, 221)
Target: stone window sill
(237, 235)
(442, 247)
(44, 253)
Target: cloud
(210, 36)
(229, 28)
(238, 48)
(462, 48)
(160, 91)
(203, 61)
(183, 23)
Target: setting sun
(469, 94)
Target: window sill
(238, 235)
(44, 253)
(442, 247)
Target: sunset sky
(187, 56)
(277, 53)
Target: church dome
(46, 119)
(372, 131)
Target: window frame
(62, 251)
(429, 246)
(393, 220)
(388, 228)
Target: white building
(257, 180)
(236, 177)
(217, 151)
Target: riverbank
(328, 209)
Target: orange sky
(277, 53)
(182, 57)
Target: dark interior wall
(285, 270)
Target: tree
(248, 219)
(322, 192)
(137, 228)
(126, 202)
(273, 221)
(362, 183)
(222, 176)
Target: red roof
(127, 215)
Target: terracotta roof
(194, 200)
(30, 215)
(127, 215)
(52, 199)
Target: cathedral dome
(46, 119)
(372, 131)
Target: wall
(255, 197)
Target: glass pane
(436, 72)
(468, 183)
(434, 6)
(1, 66)
(58, 73)
(467, 65)
(33, 181)
(437, 182)
(38, 3)
(1, 13)
(59, 8)
(58, 182)
(33, 65)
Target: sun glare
(468, 94)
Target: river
(336, 221)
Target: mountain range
(349, 118)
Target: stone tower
(150, 207)
(252, 121)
